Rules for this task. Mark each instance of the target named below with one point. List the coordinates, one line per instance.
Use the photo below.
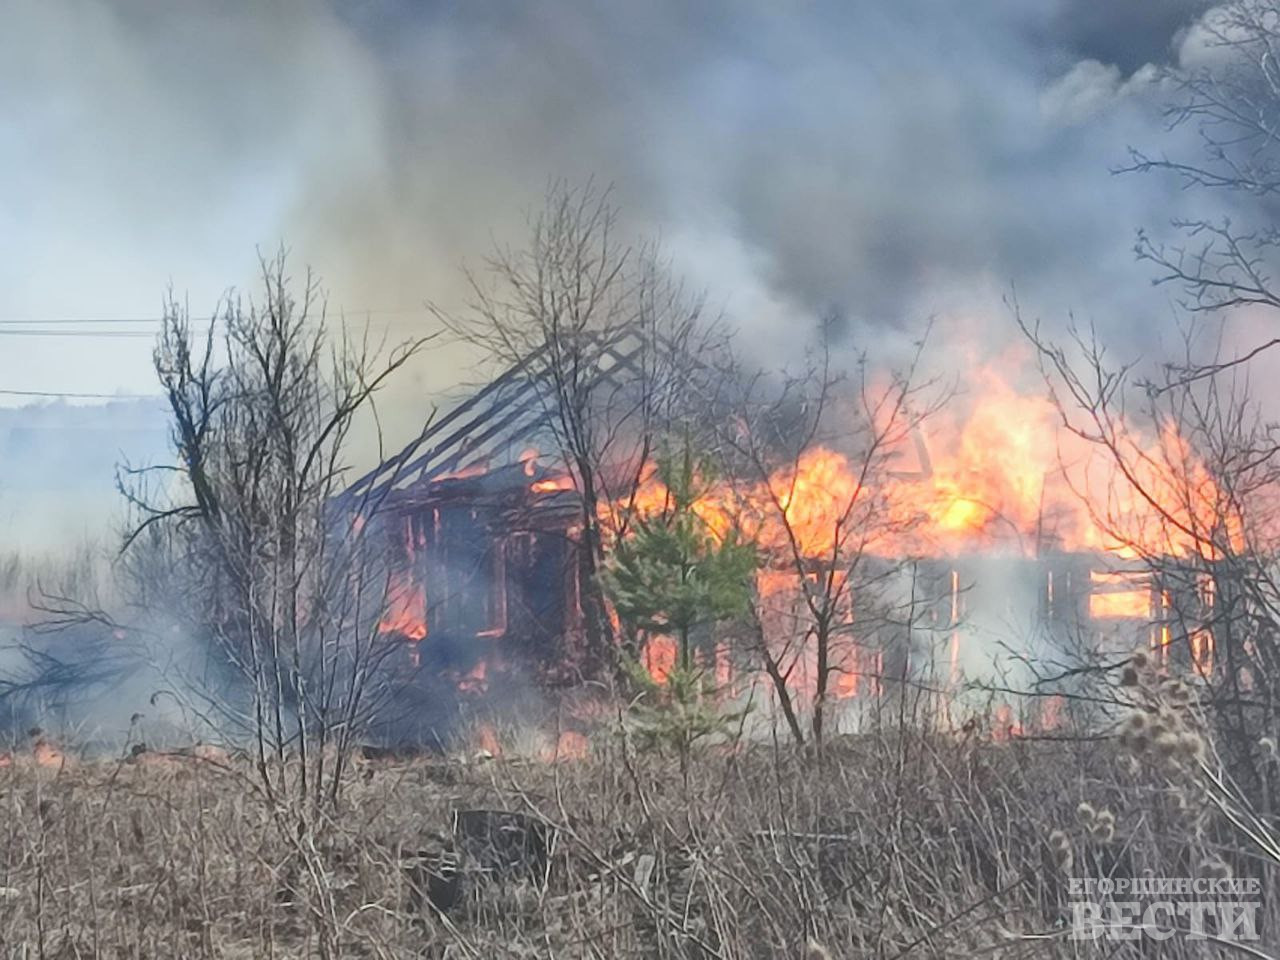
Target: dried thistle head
(1133, 731)
(816, 951)
(1060, 847)
(1268, 745)
(1064, 860)
(1085, 813)
(1160, 727)
(1129, 676)
(1137, 722)
(1167, 744)
(1136, 731)
(1140, 660)
(1192, 745)
(1103, 828)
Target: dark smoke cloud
(885, 161)
(1128, 33)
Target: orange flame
(1003, 725)
(46, 754)
(1118, 595)
(487, 741)
(998, 473)
(477, 469)
(553, 484)
(992, 472)
(660, 657)
(568, 746)
(1201, 641)
(529, 458)
(406, 608)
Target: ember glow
(43, 755)
(486, 740)
(569, 745)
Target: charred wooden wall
(496, 566)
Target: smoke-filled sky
(888, 160)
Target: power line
(91, 334)
(29, 327)
(79, 396)
(8, 321)
(94, 334)
(62, 321)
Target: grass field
(892, 845)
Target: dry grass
(893, 846)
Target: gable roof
(489, 429)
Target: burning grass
(892, 845)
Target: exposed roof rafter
(490, 428)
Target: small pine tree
(672, 575)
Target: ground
(884, 846)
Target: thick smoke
(882, 162)
(886, 162)
(60, 463)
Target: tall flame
(406, 608)
(998, 473)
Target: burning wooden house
(483, 530)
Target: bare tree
(1184, 485)
(1188, 450)
(286, 591)
(824, 533)
(615, 350)
(1233, 101)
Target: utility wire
(79, 396)
(14, 320)
(89, 334)
(15, 326)
(29, 327)
(26, 321)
